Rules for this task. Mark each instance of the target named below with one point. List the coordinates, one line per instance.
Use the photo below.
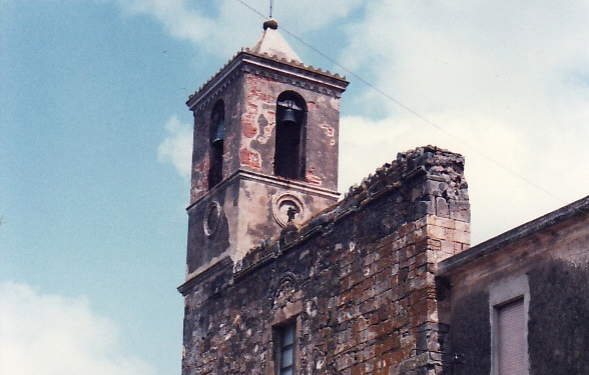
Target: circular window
(288, 208)
(212, 217)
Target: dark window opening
(217, 135)
(289, 154)
(285, 353)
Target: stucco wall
(469, 337)
(550, 256)
(249, 87)
(559, 318)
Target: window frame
(280, 334)
(501, 294)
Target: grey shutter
(511, 338)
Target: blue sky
(95, 142)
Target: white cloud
(309, 15)
(509, 79)
(176, 16)
(380, 141)
(55, 335)
(224, 27)
(176, 149)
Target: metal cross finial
(271, 3)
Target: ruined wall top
(425, 181)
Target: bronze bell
(289, 116)
(219, 134)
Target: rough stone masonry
(357, 280)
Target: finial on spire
(270, 23)
(271, 3)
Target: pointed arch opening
(217, 143)
(291, 118)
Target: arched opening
(216, 136)
(289, 154)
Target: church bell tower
(265, 151)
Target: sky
(95, 142)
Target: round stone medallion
(288, 208)
(212, 217)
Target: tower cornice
(263, 65)
(299, 186)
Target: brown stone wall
(358, 280)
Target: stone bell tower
(265, 151)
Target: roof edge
(273, 62)
(579, 207)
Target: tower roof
(274, 45)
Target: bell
(289, 116)
(219, 134)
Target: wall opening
(217, 143)
(285, 349)
(289, 154)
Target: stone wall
(357, 279)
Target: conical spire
(273, 44)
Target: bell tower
(265, 150)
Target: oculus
(288, 208)
(211, 219)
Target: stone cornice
(249, 62)
(293, 185)
(214, 270)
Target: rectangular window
(511, 340)
(285, 353)
(509, 302)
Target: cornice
(298, 75)
(215, 269)
(293, 185)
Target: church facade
(283, 277)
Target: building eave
(485, 249)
